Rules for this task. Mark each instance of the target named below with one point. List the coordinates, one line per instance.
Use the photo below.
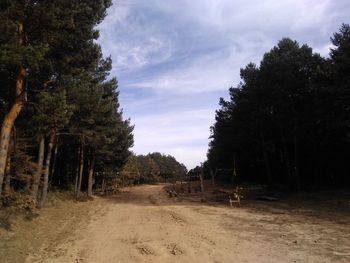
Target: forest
(151, 168)
(287, 123)
(275, 183)
(61, 123)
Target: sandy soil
(42, 235)
(144, 225)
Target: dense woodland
(284, 129)
(152, 168)
(288, 122)
(61, 125)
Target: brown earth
(142, 224)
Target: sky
(174, 59)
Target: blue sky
(174, 59)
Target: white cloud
(150, 51)
(175, 133)
(190, 156)
(144, 46)
(210, 72)
(324, 50)
(169, 55)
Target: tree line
(288, 121)
(61, 124)
(151, 168)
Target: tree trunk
(81, 168)
(212, 178)
(47, 168)
(286, 160)
(91, 172)
(39, 171)
(54, 162)
(234, 173)
(138, 178)
(7, 185)
(103, 187)
(77, 173)
(266, 160)
(8, 172)
(201, 180)
(9, 120)
(296, 154)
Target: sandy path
(143, 225)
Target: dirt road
(144, 225)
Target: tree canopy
(152, 168)
(287, 122)
(57, 98)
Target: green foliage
(152, 168)
(169, 167)
(287, 120)
(340, 55)
(339, 89)
(53, 113)
(68, 88)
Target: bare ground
(144, 225)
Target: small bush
(18, 200)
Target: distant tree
(131, 171)
(152, 168)
(169, 167)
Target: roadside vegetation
(61, 124)
(287, 123)
(151, 168)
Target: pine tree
(63, 48)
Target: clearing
(142, 224)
